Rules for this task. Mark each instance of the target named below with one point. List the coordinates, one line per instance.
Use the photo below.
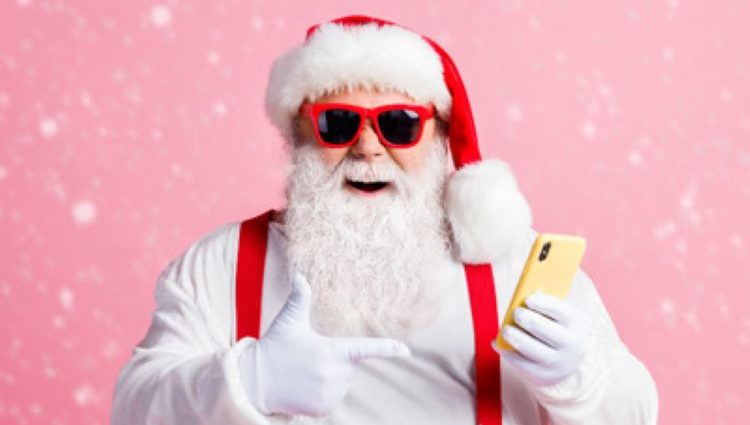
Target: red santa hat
(487, 212)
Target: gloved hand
(296, 371)
(556, 338)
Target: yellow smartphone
(550, 267)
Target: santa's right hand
(296, 371)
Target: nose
(368, 146)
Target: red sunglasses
(340, 124)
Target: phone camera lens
(545, 251)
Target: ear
(487, 212)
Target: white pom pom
(487, 212)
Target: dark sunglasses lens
(338, 126)
(399, 126)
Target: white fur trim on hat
(487, 212)
(336, 56)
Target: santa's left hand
(557, 336)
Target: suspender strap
(251, 261)
(487, 361)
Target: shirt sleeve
(186, 371)
(611, 385)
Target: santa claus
(373, 297)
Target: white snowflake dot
(604, 90)
(533, 22)
(58, 322)
(36, 409)
(48, 127)
(213, 57)
(725, 95)
(50, 372)
(667, 54)
(161, 16)
(687, 198)
(220, 109)
(589, 130)
(84, 395)
(666, 307)
(724, 309)
(110, 349)
(736, 240)
(514, 113)
(635, 158)
(664, 230)
(66, 298)
(84, 212)
(86, 101)
(258, 23)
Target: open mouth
(369, 187)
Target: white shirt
(185, 371)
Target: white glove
(554, 343)
(296, 371)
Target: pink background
(128, 129)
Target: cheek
(409, 159)
(332, 156)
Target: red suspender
(251, 259)
(487, 361)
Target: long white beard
(372, 263)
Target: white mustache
(367, 172)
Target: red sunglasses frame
(313, 110)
